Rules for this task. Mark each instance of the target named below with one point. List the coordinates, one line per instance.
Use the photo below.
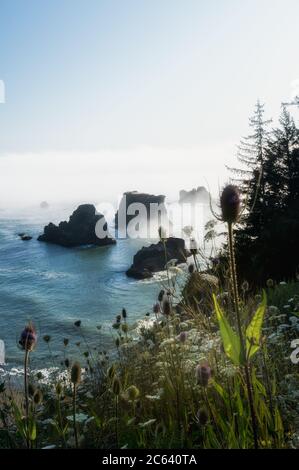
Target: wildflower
(76, 373)
(77, 323)
(270, 283)
(38, 397)
(230, 204)
(133, 393)
(47, 338)
(182, 337)
(28, 338)
(203, 374)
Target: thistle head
(230, 202)
(76, 373)
(28, 338)
(203, 374)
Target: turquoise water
(55, 286)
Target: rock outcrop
(127, 211)
(25, 236)
(151, 259)
(78, 231)
(195, 196)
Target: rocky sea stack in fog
(195, 196)
(127, 211)
(151, 259)
(78, 231)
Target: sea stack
(148, 210)
(151, 259)
(79, 230)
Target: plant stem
(234, 280)
(74, 415)
(116, 421)
(26, 397)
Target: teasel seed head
(28, 338)
(38, 397)
(161, 295)
(203, 374)
(230, 202)
(166, 307)
(156, 308)
(202, 416)
(124, 313)
(116, 386)
(183, 336)
(191, 268)
(133, 392)
(76, 373)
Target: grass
(172, 387)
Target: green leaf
(230, 339)
(254, 329)
(32, 430)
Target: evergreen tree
(267, 241)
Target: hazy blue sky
(114, 94)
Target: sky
(105, 96)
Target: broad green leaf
(230, 339)
(254, 329)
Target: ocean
(54, 286)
